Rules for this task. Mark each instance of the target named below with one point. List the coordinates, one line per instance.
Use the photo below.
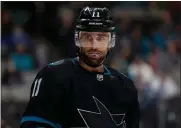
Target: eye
(100, 38)
(88, 37)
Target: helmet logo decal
(95, 14)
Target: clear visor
(94, 39)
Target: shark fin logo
(102, 119)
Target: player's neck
(90, 69)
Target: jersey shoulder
(127, 81)
(114, 72)
(60, 69)
(61, 64)
(51, 76)
(64, 67)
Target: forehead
(94, 33)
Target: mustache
(95, 51)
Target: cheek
(84, 49)
(104, 47)
(103, 50)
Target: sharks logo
(102, 119)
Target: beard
(92, 58)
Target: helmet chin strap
(87, 63)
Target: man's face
(94, 46)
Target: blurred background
(148, 49)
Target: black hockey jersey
(65, 95)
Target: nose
(94, 43)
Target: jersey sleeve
(134, 110)
(43, 106)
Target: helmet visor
(93, 39)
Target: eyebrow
(103, 34)
(82, 35)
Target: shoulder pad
(62, 67)
(114, 72)
(57, 62)
(60, 63)
(128, 82)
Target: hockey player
(82, 92)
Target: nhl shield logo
(99, 77)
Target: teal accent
(107, 72)
(74, 61)
(57, 62)
(40, 120)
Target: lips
(94, 55)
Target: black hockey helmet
(95, 20)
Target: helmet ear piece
(76, 38)
(112, 40)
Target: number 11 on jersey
(36, 87)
